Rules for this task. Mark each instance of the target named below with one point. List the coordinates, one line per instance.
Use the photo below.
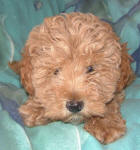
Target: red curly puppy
(75, 69)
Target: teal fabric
(16, 20)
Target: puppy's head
(75, 61)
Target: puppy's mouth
(74, 119)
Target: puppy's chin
(74, 119)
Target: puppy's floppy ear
(26, 71)
(127, 74)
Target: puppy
(75, 70)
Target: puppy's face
(75, 66)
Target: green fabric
(12, 136)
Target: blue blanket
(16, 20)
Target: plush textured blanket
(16, 20)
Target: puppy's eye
(89, 69)
(56, 72)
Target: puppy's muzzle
(74, 106)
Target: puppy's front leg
(109, 128)
(32, 113)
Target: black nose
(74, 106)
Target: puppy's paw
(32, 114)
(104, 130)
